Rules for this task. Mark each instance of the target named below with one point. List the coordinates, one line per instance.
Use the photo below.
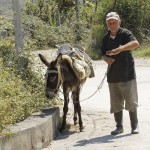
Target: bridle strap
(52, 71)
(60, 79)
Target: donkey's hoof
(81, 129)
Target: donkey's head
(53, 78)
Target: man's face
(113, 25)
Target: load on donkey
(70, 69)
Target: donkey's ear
(43, 59)
(58, 59)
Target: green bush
(19, 98)
(43, 36)
(6, 51)
(21, 90)
(6, 27)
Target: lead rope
(99, 87)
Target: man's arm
(129, 46)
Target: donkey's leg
(65, 110)
(79, 110)
(75, 115)
(75, 107)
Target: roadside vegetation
(21, 89)
(46, 23)
(142, 52)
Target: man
(116, 51)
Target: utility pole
(17, 26)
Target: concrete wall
(34, 133)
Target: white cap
(112, 15)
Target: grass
(142, 52)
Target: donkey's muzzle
(50, 95)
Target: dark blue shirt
(122, 70)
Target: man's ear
(44, 60)
(58, 59)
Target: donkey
(59, 72)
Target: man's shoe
(117, 131)
(135, 130)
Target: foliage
(42, 35)
(6, 27)
(5, 47)
(135, 16)
(21, 90)
(17, 99)
(87, 12)
(47, 10)
(62, 14)
(143, 51)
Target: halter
(60, 79)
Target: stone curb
(34, 133)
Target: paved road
(99, 122)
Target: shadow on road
(99, 140)
(64, 135)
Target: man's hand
(109, 60)
(114, 51)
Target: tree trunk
(96, 3)
(77, 10)
(114, 5)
